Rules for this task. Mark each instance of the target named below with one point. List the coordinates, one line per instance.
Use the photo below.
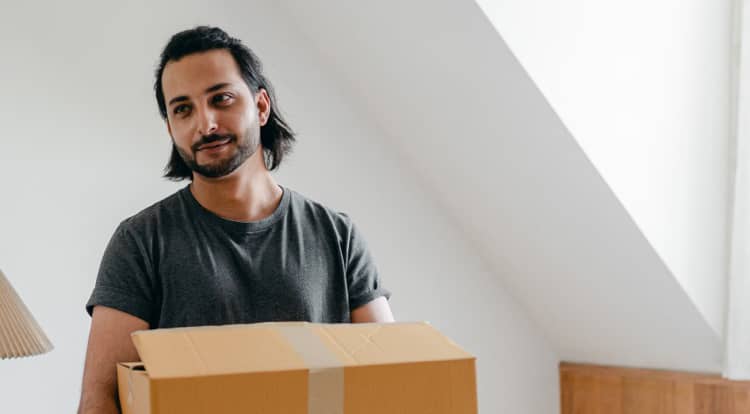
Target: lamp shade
(20, 335)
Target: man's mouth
(215, 144)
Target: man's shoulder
(162, 212)
(317, 211)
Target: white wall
(83, 147)
(644, 88)
(457, 106)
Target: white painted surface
(84, 147)
(644, 87)
(462, 112)
(737, 353)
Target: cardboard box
(298, 368)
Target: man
(232, 246)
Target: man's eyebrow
(209, 90)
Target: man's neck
(248, 194)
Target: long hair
(276, 136)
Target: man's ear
(263, 103)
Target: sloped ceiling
(458, 109)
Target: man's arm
(109, 343)
(377, 310)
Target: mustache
(209, 139)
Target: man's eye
(180, 108)
(222, 98)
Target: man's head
(218, 105)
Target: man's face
(212, 116)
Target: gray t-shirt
(177, 264)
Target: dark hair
(276, 136)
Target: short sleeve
(361, 272)
(125, 278)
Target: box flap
(231, 349)
(391, 343)
(215, 350)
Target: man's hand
(378, 310)
(109, 343)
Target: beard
(225, 166)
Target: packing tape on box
(326, 380)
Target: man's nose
(207, 122)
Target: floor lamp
(20, 335)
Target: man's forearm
(109, 342)
(99, 404)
